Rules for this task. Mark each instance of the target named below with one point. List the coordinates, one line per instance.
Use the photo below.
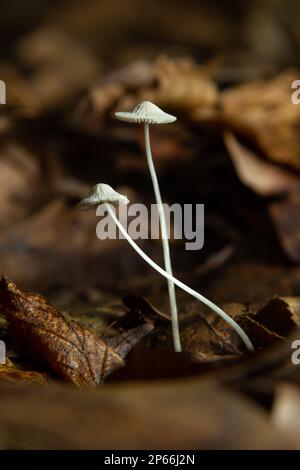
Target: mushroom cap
(147, 113)
(100, 194)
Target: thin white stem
(244, 337)
(165, 243)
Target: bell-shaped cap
(146, 113)
(102, 194)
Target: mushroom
(100, 194)
(148, 113)
(105, 194)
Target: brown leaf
(209, 339)
(12, 374)
(75, 354)
(172, 83)
(177, 414)
(263, 177)
(269, 321)
(279, 314)
(140, 304)
(209, 342)
(263, 111)
(180, 84)
(124, 342)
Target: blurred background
(225, 69)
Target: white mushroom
(105, 194)
(148, 113)
(100, 194)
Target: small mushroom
(105, 194)
(101, 194)
(148, 113)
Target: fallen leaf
(124, 342)
(263, 111)
(263, 177)
(185, 414)
(12, 374)
(209, 342)
(75, 354)
(280, 315)
(177, 84)
(139, 304)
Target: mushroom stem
(165, 243)
(244, 337)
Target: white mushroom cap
(147, 113)
(101, 194)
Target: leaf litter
(91, 336)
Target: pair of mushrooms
(148, 113)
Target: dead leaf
(139, 304)
(209, 342)
(75, 354)
(12, 374)
(185, 414)
(263, 177)
(280, 315)
(263, 111)
(124, 342)
(177, 84)
(207, 338)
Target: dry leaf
(12, 374)
(280, 315)
(263, 111)
(75, 354)
(124, 342)
(180, 84)
(263, 177)
(140, 305)
(209, 339)
(177, 84)
(177, 414)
